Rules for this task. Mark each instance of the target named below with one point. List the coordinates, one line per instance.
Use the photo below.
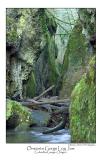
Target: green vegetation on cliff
(76, 48)
(83, 108)
(74, 60)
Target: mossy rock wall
(30, 47)
(83, 108)
(31, 85)
(23, 47)
(70, 79)
(74, 60)
(79, 50)
(46, 67)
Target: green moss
(30, 90)
(51, 61)
(74, 60)
(76, 49)
(15, 108)
(83, 108)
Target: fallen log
(54, 101)
(31, 102)
(43, 93)
(48, 98)
(50, 108)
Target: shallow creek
(35, 135)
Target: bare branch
(43, 93)
(60, 19)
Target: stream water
(35, 135)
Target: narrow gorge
(50, 75)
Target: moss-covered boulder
(83, 108)
(21, 118)
(16, 114)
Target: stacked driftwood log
(54, 105)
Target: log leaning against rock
(60, 126)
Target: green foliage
(11, 30)
(88, 19)
(83, 108)
(16, 22)
(31, 85)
